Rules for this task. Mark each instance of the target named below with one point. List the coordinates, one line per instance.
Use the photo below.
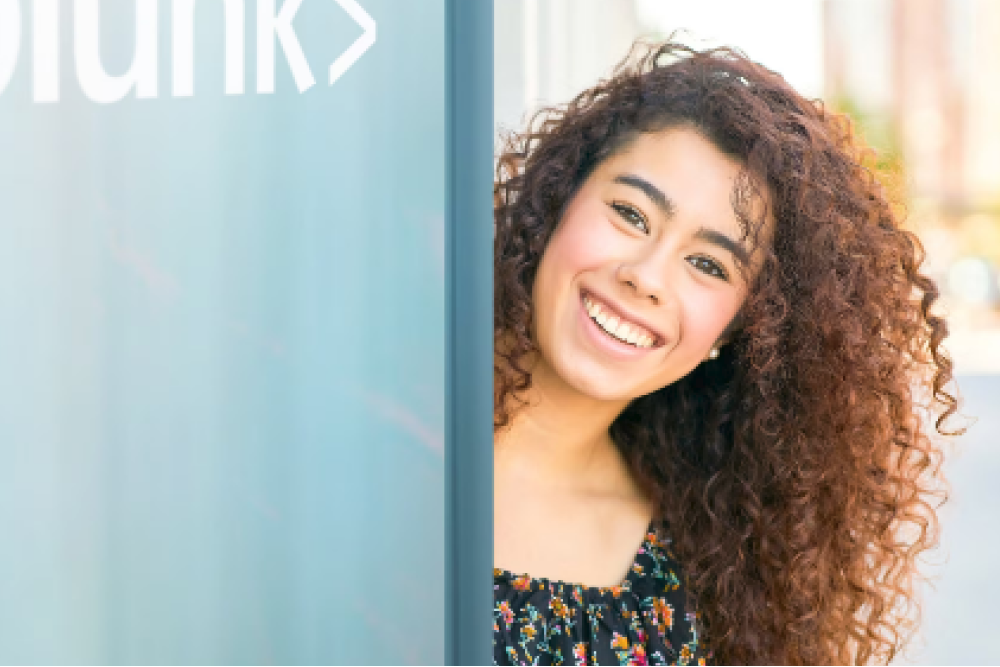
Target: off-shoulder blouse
(643, 621)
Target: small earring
(714, 354)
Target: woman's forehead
(697, 178)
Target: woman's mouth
(616, 327)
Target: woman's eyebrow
(719, 239)
(655, 194)
(668, 208)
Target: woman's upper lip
(624, 314)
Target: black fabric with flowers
(643, 621)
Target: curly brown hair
(799, 473)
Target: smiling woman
(709, 327)
(658, 266)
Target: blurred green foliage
(877, 130)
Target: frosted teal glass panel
(222, 359)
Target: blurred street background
(921, 79)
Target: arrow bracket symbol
(360, 45)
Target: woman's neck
(561, 436)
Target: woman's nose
(647, 279)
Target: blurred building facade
(921, 77)
(924, 67)
(547, 51)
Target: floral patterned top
(643, 621)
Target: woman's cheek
(588, 241)
(707, 316)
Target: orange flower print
(543, 621)
(522, 583)
(638, 655)
(507, 613)
(559, 608)
(663, 615)
(661, 542)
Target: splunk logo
(274, 28)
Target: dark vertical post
(469, 338)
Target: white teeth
(615, 326)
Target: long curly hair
(799, 472)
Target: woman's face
(640, 278)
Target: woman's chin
(600, 387)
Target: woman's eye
(631, 216)
(709, 266)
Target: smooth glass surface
(222, 386)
